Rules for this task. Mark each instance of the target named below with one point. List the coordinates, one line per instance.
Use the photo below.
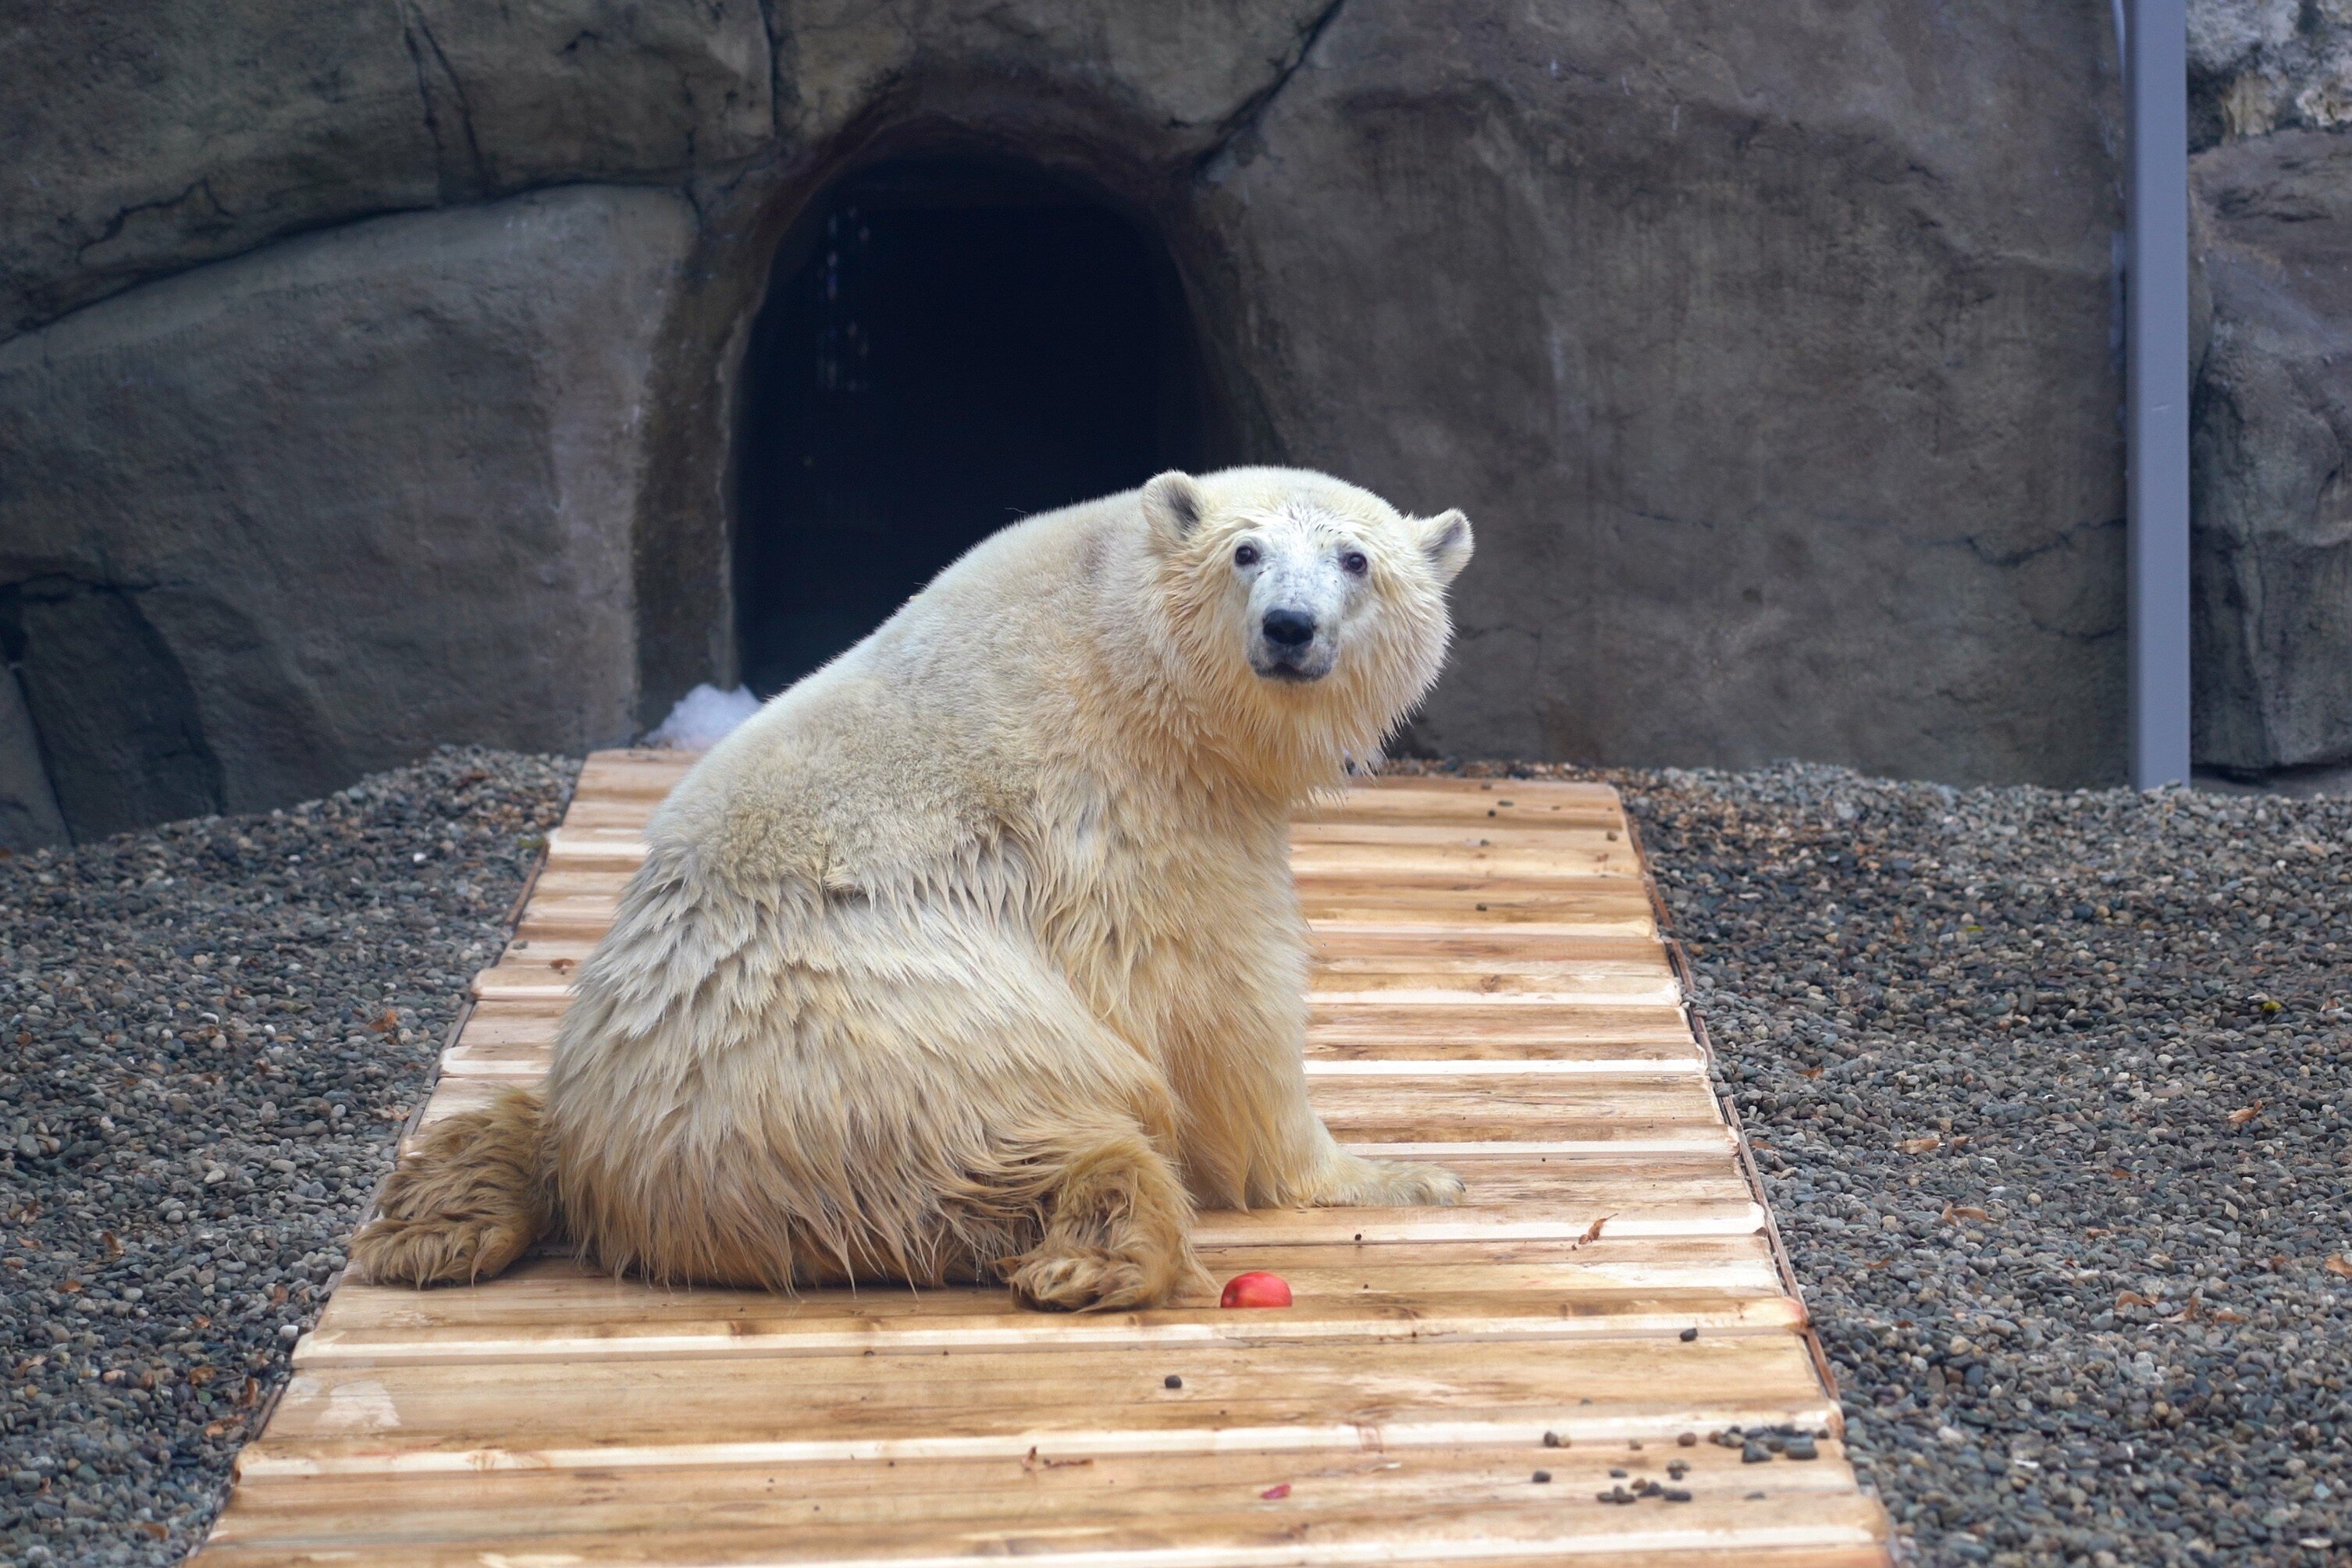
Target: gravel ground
(2048, 1089)
(2050, 1092)
(213, 1033)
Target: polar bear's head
(1304, 603)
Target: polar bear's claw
(1083, 1280)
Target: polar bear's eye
(1246, 555)
(1356, 563)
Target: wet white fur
(999, 896)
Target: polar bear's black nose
(1290, 628)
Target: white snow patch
(703, 717)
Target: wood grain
(1489, 989)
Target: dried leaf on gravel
(1927, 1146)
(2245, 1114)
(2339, 1265)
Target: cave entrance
(945, 347)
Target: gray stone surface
(146, 136)
(284, 519)
(29, 817)
(1185, 69)
(2272, 441)
(1768, 347)
(2259, 65)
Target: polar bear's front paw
(1063, 1276)
(1356, 1183)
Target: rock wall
(280, 520)
(1768, 346)
(371, 370)
(2260, 65)
(148, 138)
(2271, 440)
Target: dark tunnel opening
(946, 346)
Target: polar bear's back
(928, 735)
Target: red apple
(1255, 1288)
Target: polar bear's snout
(1291, 646)
(1301, 583)
(1290, 628)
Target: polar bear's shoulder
(918, 743)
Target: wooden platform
(1493, 993)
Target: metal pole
(2156, 284)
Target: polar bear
(975, 956)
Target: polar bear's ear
(1172, 506)
(1446, 539)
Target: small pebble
(1171, 1380)
(2063, 1076)
(1755, 1454)
(210, 1034)
(1689, 1334)
(1675, 1494)
(1543, 1477)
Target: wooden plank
(1378, 1030)
(1350, 964)
(573, 908)
(1489, 989)
(611, 794)
(1566, 906)
(578, 904)
(1427, 801)
(1341, 848)
(1070, 1399)
(1612, 1285)
(1496, 1199)
(512, 1038)
(1326, 1508)
(1527, 859)
(1442, 1118)
(1568, 846)
(594, 849)
(972, 1318)
(641, 773)
(1343, 1031)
